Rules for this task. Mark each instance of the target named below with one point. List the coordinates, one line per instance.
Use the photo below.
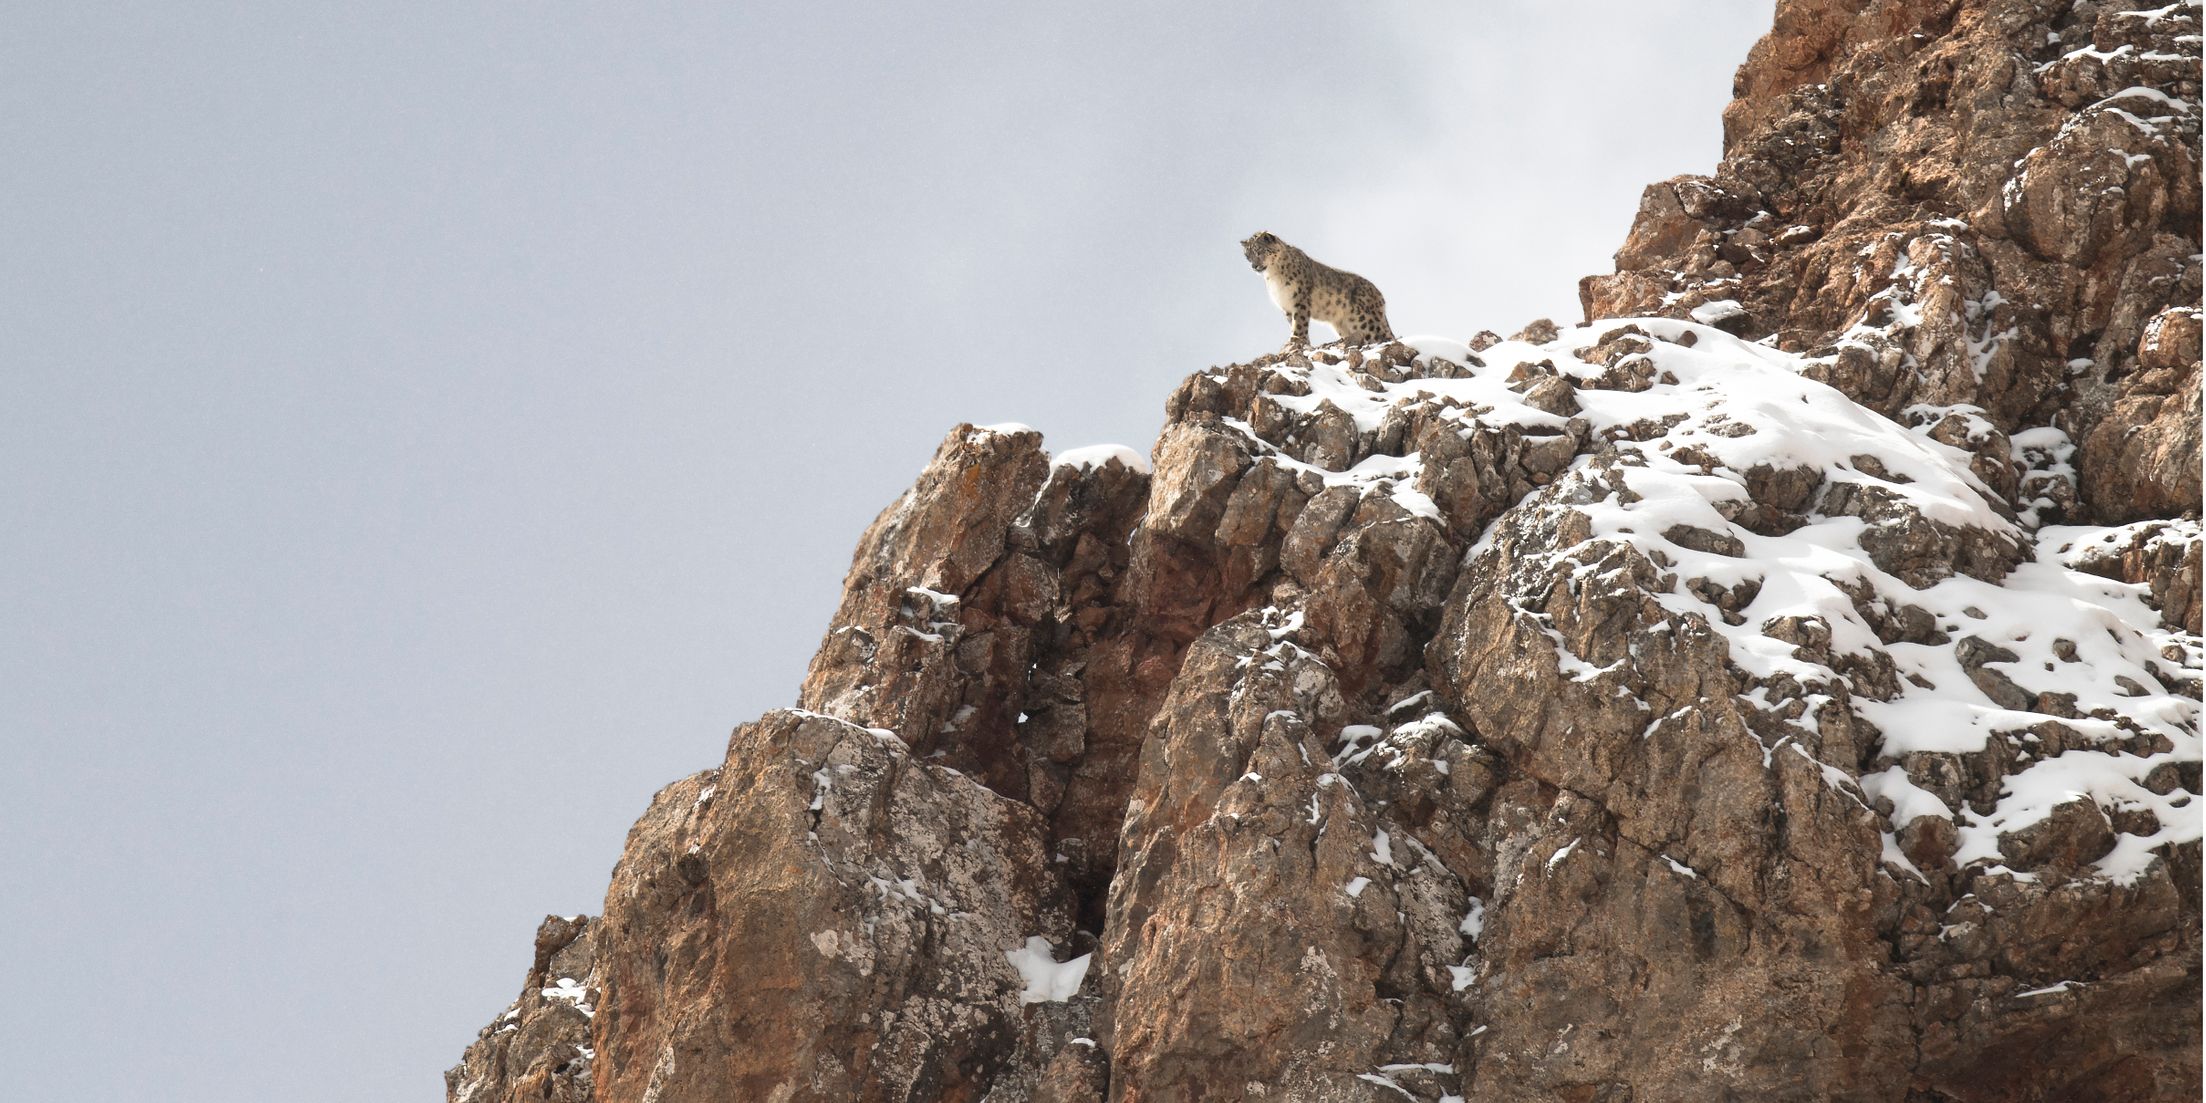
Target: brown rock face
(1719, 705)
(983, 615)
(825, 915)
(1984, 204)
(539, 1047)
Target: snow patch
(1047, 979)
(1720, 310)
(1099, 455)
(1556, 858)
(570, 991)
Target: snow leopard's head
(1260, 248)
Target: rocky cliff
(1789, 692)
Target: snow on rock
(541, 1040)
(1717, 310)
(1556, 858)
(1474, 920)
(1097, 455)
(571, 992)
(2010, 639)
(1710, 612)
(1047, 979)
(1847, 560)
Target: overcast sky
(427, 429)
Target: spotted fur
(1305, 289)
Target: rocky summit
(1784, 686)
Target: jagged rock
(824, 917)
(1720, 683)
(1982, 203)
(1078, 1074)
(1252, 924)
(1539, 331)
(983, 617)
(2142, 457)
(1721, 703)
(2163, 556)
(935, 632)
(539, 1047)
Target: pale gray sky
(427, 429)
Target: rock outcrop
(539, 1046)
(1939, 203)
(1763, 697)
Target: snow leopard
(1305, 289)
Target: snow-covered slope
(1942, 622)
